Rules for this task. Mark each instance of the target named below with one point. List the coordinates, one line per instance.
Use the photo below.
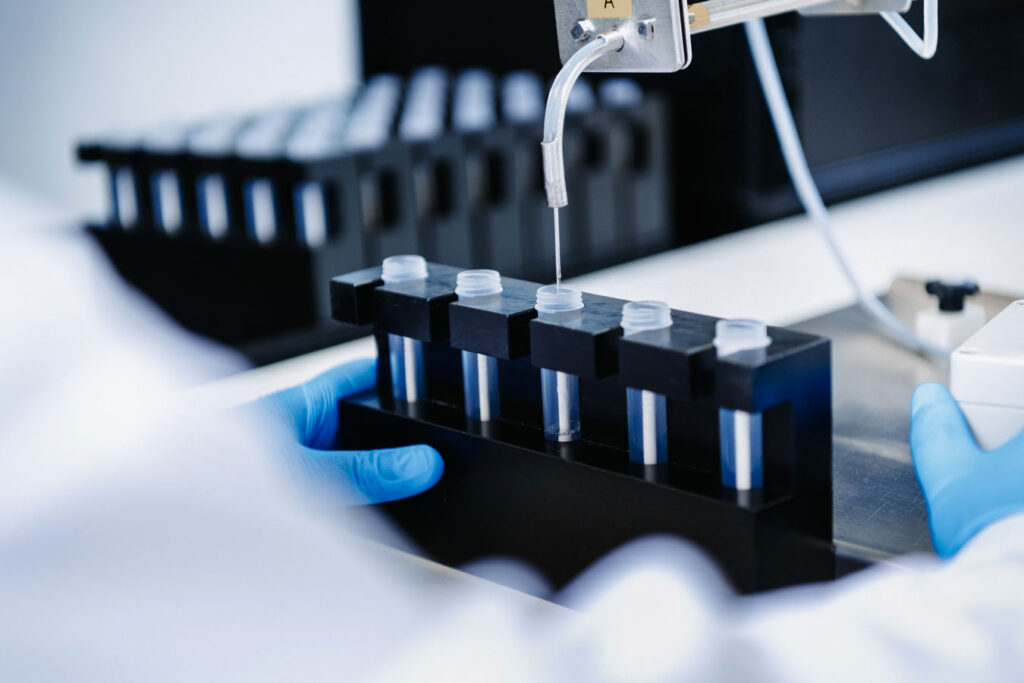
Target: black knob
(952, 295)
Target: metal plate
(878, 509)
(857, 7)
(667, 51)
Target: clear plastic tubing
(647, 411)
(741, 433)
(560, 391)
(405, 354)
(479, 372)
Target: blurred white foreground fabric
(145, 538)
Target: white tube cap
(471, 283)
(403, 269)
(621, 93)
(641, 316)
(733, 336)
(555, 299)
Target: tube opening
(640, 316)
(403, 269)
(558, 299)
(471, 283)
(733, 336)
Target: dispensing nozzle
(554, 115)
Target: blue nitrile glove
(310, 412)
(966, 488)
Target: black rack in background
(233, 225)
(871, 113)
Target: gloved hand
(966, 488)
(310, 412)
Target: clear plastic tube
(647, 411)
(372, 116)
(426, 106)
(261, 210)
(311, 213)
(213, 205)
(126, 207)
(473, 102)
(479, 372)
(522, 98)
(620, 93)
(742, 449)
(480, 386)
(560, 391)
(561, 397)
(167, 201)
(648, 427)
(741, 433)
(405, 355)
(582, 99)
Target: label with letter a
(609, 9)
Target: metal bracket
(657, 39)
(857, 7)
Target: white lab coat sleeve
(961, 620)
(143, 538)
(656, 610)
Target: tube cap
(472, 283)
(733, 336)
(621, 93)
(522, 99)
(641, 316)
(555, 299)
(403, 269)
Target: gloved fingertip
(303, 406)
(352, 378)
(287, 405)
(944, 550)
(927, 395)
(399, 473)
(937, 425)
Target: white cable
(807, 190)
(926, 44)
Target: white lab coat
(145, 538)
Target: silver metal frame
(657, 40)
(858, 7)
(658, 33)
(716, 14)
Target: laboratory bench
(782, 273)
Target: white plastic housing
(987, 378)
(950, 329)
